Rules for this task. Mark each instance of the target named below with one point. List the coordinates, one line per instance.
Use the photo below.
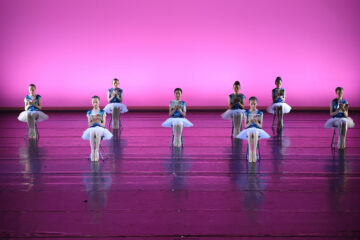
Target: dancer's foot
(176, 141)
(341, 145)
(96, 155)
(92, 156)
(254, 157)
(32, 134)
(249, 157)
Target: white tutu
(109, 108)
(232, 112)
(286, 107)
(103, 132)
(172, 121)
(334, 122)
(23, 116)
(243, 133)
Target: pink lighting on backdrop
(72, 49)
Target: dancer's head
(253, 102)
(115, 82)
(339, 92)
(177, 93)
(95, 100)
(32, 89)
(236, 86)
(278, 82)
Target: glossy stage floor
(146, 190)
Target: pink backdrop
(72, 49)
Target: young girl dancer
(96, 131)
(339, 112)
(279, 107)
(253, 131)
(236, 108)
(177, 120)
(32, 113)
(115, 107)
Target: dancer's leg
(29, 122)
(97, 142)
(180, 130)
(35, 118)
(281, 114)
(174, 128)
(115, 117)
(250, 136)
(236, 123)
(278, 117)
(342, 134)
(92, 145)
(255, 143)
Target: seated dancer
(32, 113)
(236, 109)
(279, 107)
(115, 106)
(253, 128)
(339, 112)
(177, 120)
(96, 131)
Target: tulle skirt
(244, 133)
(334, 122)
(286, 107)
(172, 121)
(109, 108)
(103, 132)
(230, 113)
(24, 115)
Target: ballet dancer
(177, 120)
(32, 113)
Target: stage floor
(146, 190)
